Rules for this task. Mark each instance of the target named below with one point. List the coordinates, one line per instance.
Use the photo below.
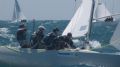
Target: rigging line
(108, 16)
(105, 5)
(75, 5)
(113, 6)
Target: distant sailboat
(101, 12)
(18, 14)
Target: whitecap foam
(4, 33)
(7, 36)
(4, 30)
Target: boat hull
(11, 57)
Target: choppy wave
(95, 44)
(4, 30)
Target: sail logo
(66, 54)
(83, 28)
(99, 3)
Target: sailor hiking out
(21, 36)
(49, 39)
(109, 19)
(53, 41)
(62, 42)
(68, 40)
(37, 38)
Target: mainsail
(79, 24)
(17, 14)
(101, 11)
(115, 40)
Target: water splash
(4, 30)
(95, 44)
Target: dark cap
(69, 34)
(24, 20)
(41, 28)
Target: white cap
(41, 27)
(22, 29)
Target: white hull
(52, 58)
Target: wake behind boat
(79, 26)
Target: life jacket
(21, 35)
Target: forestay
(79, 24)
(115, 40)
(17, 14)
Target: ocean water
(101, 31)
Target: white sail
(17, 14)
(101, 11)
(115, 40)
(79, 24)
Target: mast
(91, 18)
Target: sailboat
(80, 24)
(101, 12)
(17, 14)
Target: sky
(39, 9)
(45, 9)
